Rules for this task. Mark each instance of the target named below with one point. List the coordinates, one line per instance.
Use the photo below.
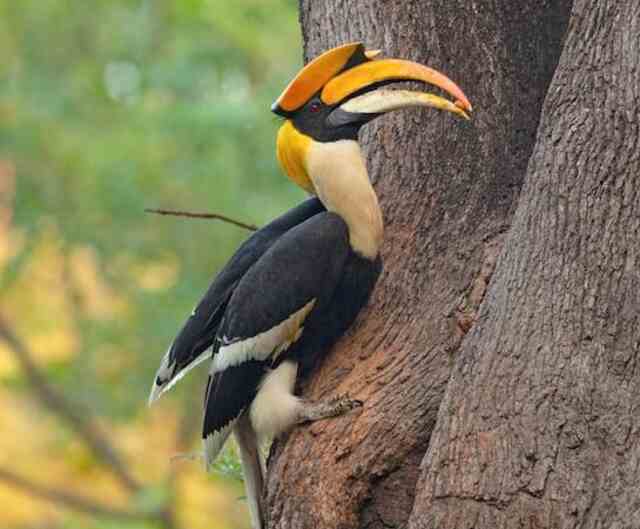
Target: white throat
(339, 175)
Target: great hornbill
(295, 286)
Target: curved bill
(386, 71)
(381, 101)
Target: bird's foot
(344, 404)
(315, 411)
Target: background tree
(537, 427)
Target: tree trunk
(539, 426)
(448, 191)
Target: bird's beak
(358, 98)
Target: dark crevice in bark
(392, 494)
(466, 313)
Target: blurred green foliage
(111, 106)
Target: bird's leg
(315, 411)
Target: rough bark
(539, 426)
(448, 191)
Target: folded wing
(194, 341)
(266, 315)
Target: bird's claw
(344, 404)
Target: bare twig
(194, 215)
(71, 413)
(70, 500)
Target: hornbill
(295, 286)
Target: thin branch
(70, 412)
(69, 499)
(194, 215)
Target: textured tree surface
(448, 191)
(540, 423)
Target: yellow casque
(315, 75)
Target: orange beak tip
(464, 106)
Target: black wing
(265, 315)
(191, 345)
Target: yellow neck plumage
(336, 173)
(292, 148)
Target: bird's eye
(314, 107)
